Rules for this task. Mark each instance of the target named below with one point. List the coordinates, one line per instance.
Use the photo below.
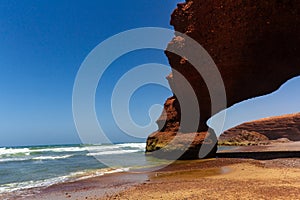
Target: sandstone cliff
(286, 126)
(255, 45)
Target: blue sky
(42, 45)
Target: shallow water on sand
(32, 166)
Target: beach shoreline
(221, 178)
(217, 178)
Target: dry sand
(206, 179)
(245, 180)
(221, 178)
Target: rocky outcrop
(244, 138)
(255, 45)
(274, 128)
(173, 145)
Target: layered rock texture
(174, 145)
(273, 128)
(243, 138)
(255, 45)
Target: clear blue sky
(42, 45)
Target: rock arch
(255, 45)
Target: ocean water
(42, 166)
(32, 166)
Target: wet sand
(90, 188)
(207, 179)
(221, 178)
(247, 179)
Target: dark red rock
(182, 146)
(255, 45)
(169, 119)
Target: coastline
(222, 179)
(218, 178)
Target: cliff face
(286, 126)
(255, 45)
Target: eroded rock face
(255, 45)
(170, 118)
(286, 126)
(171, 143)
(242, 138)
(174, 145)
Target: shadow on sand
(266, 155)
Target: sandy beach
(217, 178)
(99, 98)
(221, 178)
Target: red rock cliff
(286, 126)
(255, 45)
